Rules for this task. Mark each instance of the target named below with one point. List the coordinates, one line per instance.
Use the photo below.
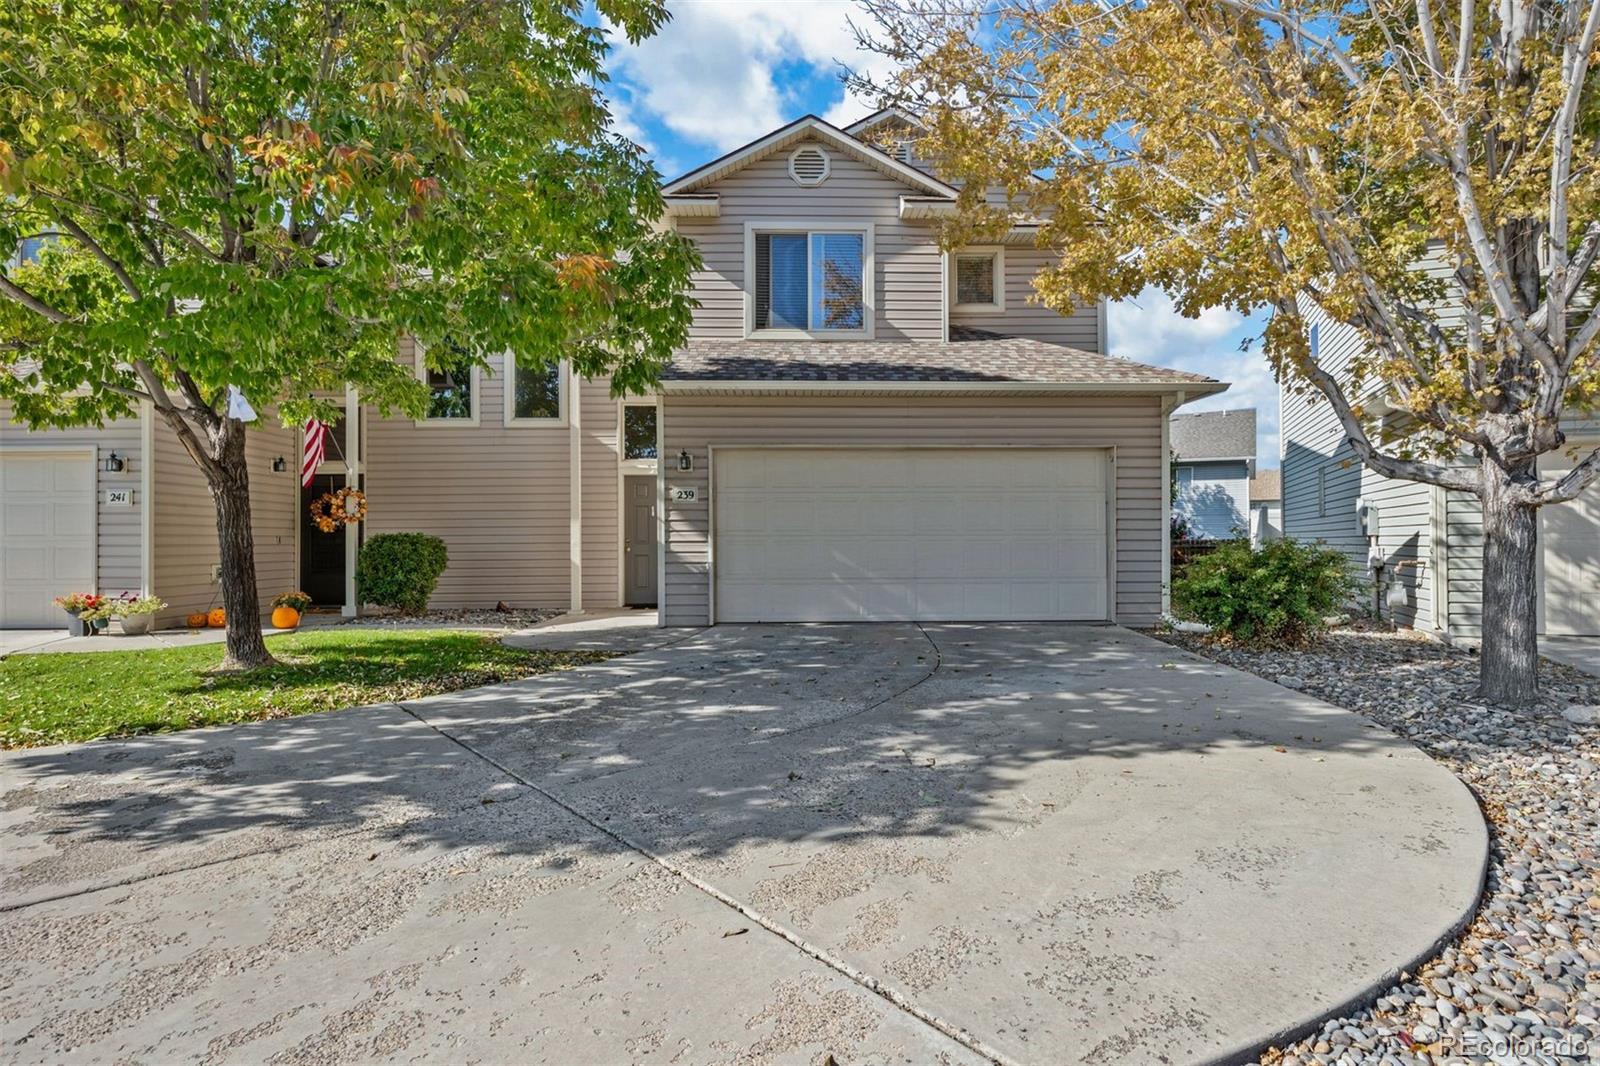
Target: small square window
(535, 390)
(450, 385)
(978, 280)
(639, 433)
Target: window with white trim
(978, 280)
(534, 392)
(811, 281)
(451, 377)
(639, 431)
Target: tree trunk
(230, 490)
(1508, 666)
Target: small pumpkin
(285, 617)
(197, 621)
(217, 618)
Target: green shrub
(1280, 592)
(400, 570)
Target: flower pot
(285, 617)
(137, 625)
(76, 627)
(101, 624)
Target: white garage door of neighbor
(46, 534)
(846, 535)
(1571, 537)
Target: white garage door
(46, 533)
(844, 535)
(1571, 537)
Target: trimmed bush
(400, 570)
(1279, 593)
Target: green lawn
(50, 699)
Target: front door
(321, 554)
(639, 540)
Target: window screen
(450, 386)
(537, 391)
(810, 281)
(639, 432)
(975, 279)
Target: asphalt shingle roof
(1266, 485)
(1215, 435)
(970, 356)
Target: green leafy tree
(267, 194)
(1423, 173)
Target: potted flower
(287, 609)
(75, 604)
(99, 616)
(138, 613)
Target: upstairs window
(452, 378)
(977, 280)
(535, 392)
(811, 282)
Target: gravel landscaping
(1522, 983)
(511, 618)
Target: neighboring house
(1213, 460)
(1266, 507)
(861, 427)
(1427, 540)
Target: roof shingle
(1215, 435)
(971, 355)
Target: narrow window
(810, 281)
(450, 384)
(1314, 341)
(1322, 492)
(536, 390)
(638, 432)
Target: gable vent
(808, 165)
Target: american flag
(315, 447)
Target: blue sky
(724, 72)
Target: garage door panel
(47, 533)
(884, 534)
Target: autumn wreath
(334, 509)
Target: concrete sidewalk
(881, 843)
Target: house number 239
(685, 494)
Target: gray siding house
(1213, 460)
(1427, 541)
(862, 426)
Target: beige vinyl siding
(1024, 316)
(1315, 453)
(1130, 425)
(184, 520)
(601, 507)
(907, 261)
(118, 554)
(496, 494)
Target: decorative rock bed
(1522, 983)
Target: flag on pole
(316, 447)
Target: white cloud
(714, 73)
(1149, 329)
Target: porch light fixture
(685, 461)
(279, 465)
(115, 464)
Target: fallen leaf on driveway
(736, 932)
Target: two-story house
(1422, 545)
(862, 426)
(1213, 461)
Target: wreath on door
(334, 509)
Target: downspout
(352, 480)
(575, 495)
(1166, 497)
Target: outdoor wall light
(279, 465)
(115, 464)
(685, 461)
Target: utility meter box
(1367, 515)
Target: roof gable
(794, 132)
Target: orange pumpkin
(217, 618)
(285, 617)
(197, 621)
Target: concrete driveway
(1015, 843)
